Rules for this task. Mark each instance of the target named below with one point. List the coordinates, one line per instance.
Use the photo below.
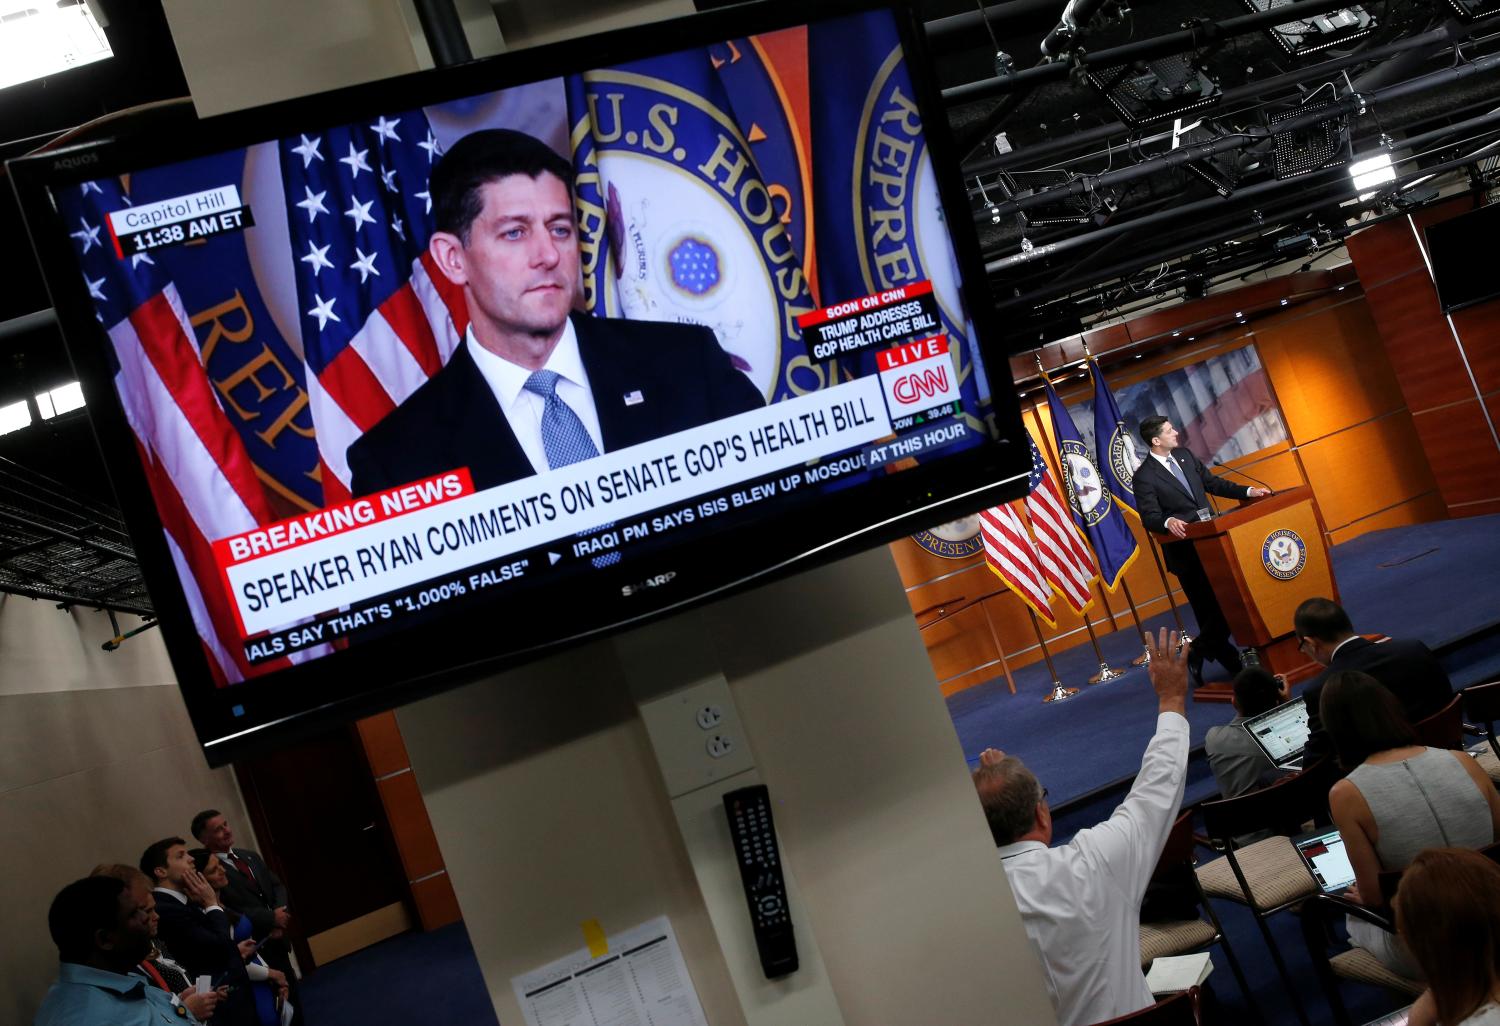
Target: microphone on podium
(1223, 466)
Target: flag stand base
(1060, 693)
(1105, 675)
(1144, 659)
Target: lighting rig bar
(1315, 32)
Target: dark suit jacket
(684, 380)
(256, 896)
(198, 940)
(1407, 668)
(1158, 495)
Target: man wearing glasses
(1408, 669)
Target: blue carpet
(1439, 582)
(413, 978)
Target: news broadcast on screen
(728, 268)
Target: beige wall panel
(907, 898)
(238, 55)
(49, 649)
(543, 790)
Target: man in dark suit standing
(1171, 486)
(253, 891)
(1408, 669)
(535, 385)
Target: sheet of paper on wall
(640, 981)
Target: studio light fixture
(1371, 173)
(1310, 148)
(1153, 90)
(1320, 31)
(1068, 210)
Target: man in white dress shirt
(1081, 902)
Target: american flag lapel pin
(634, 398)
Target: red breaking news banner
(866, 303)
(346, 516)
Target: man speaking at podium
(1171, 491)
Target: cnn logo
(920, 386)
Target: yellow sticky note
(593, 936)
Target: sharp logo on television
(649, 583)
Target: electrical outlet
(709, 716)
(719, 745)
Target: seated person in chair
(1398, 799)
(1237, 761)
(1448, 913)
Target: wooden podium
(1263, 559)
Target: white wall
(97, 760)
(542, 787)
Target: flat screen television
(389, 406)
(1455, 247)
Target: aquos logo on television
(917, 376)
(1284, 554)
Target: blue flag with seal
(1093, 504)
(1114, 444)
(676, 221)
(875, 195)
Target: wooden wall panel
(1418, 510)
(959, 642)
(1417, 341)
(1327, 369)
(1479, 331)
(1366, 468)
(945, 595)
(916, 564)
(1462, 453)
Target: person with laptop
(1398, 799)
(1238, 763)
(1081, 902)
(1448, 913)
(1407, 668)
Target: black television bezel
(864, 517)
(1490, 211)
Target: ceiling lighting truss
(1148, 91)
(1311, 148)
(1320, 31)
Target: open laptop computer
(1323, 853)
(1281, 733)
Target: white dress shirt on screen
(1081, 901)
(523, 409)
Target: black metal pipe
(444, 32)
(951, 33)
(1160, 46)
(1075, 18)
(1064, 285)
(1437, 38)
(1214, 203)
(1346, 105)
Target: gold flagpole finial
(1086, 354)
(1039, 368)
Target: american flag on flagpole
(1011, 555)
(1065, 558)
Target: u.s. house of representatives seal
(1284, 554)
(957, 539)
(1085, 487)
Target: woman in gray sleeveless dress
(1398, 799)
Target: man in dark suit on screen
(535, 385)
(1408, 669)
(1171, 486)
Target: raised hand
(1169, 675)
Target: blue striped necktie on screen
(564, 438)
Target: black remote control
(754, 834)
